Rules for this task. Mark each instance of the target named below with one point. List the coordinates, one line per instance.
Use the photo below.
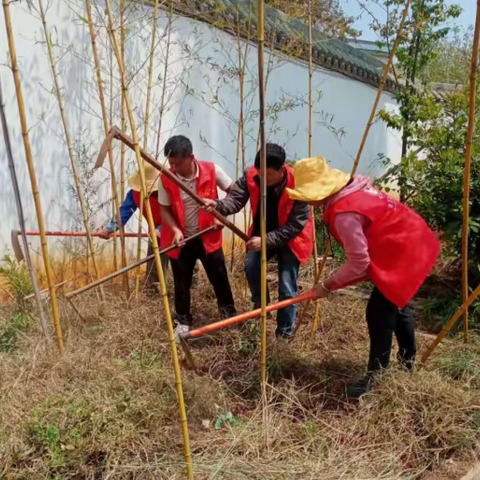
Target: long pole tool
(119, 135)
(21, 217)
(138, 263)
(32, 174)
(158, 264)
(468, 165)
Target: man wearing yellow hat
(129, 207)
(289, 230)
(385, 242)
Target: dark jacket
(279, 236)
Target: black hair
(178, 146)
(275, 157)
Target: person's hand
(217, 224)
(209, 205)
(321, 291)
(254, 244)
(178, 238)
(104, 233)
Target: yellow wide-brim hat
(151, 179)
(315, 180)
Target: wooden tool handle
(165, 171)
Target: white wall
(203, 103)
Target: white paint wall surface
(202, 102)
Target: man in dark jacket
(289, 230)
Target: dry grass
(108, 409)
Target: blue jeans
(288, 266)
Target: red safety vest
(402, 248)
(154, 206)
(206, 188)
(302, 244)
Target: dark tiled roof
(289, 35)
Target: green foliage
(227, 418)
(451, 63)
(18, 279)
(425, 28)
(13, 331)
(327, 15)
(47, 437)
(433, 172)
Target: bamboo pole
(145, 139)
(239, 133)
(163, 288)
(116, 133)
(123, 116)
(242, 96)
(450, 324)
(21, 217)
(310, 135)
(381, 86)
(111, 162)
(468, 163)
(78, 188)
(31, 172)
(263, 188)
(114, 243)
(242, 65)
(164, 81)
(137, 264)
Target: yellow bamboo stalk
(106, 128)
(381, 85)
(123, 118)
(114, 242)
(468, 163)
(32, 175)
(163, 288)
(164, 86)
(263, 187)
(239, 133)
(242, 120)
(310, 134)
(474, 295)
(58, 94)
(145, 139)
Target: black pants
(152, 279)
(214, 265)
(383, 319)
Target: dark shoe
(356, 390)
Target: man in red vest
(385, 242)
(183, 218)
(129, 206)
(289, 230)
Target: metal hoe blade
(17, 248)
(188, 354)
(104, 149)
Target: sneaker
(356, 390)
(180, 329)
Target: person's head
(315, 181)
(275, 164)
(179, 152)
